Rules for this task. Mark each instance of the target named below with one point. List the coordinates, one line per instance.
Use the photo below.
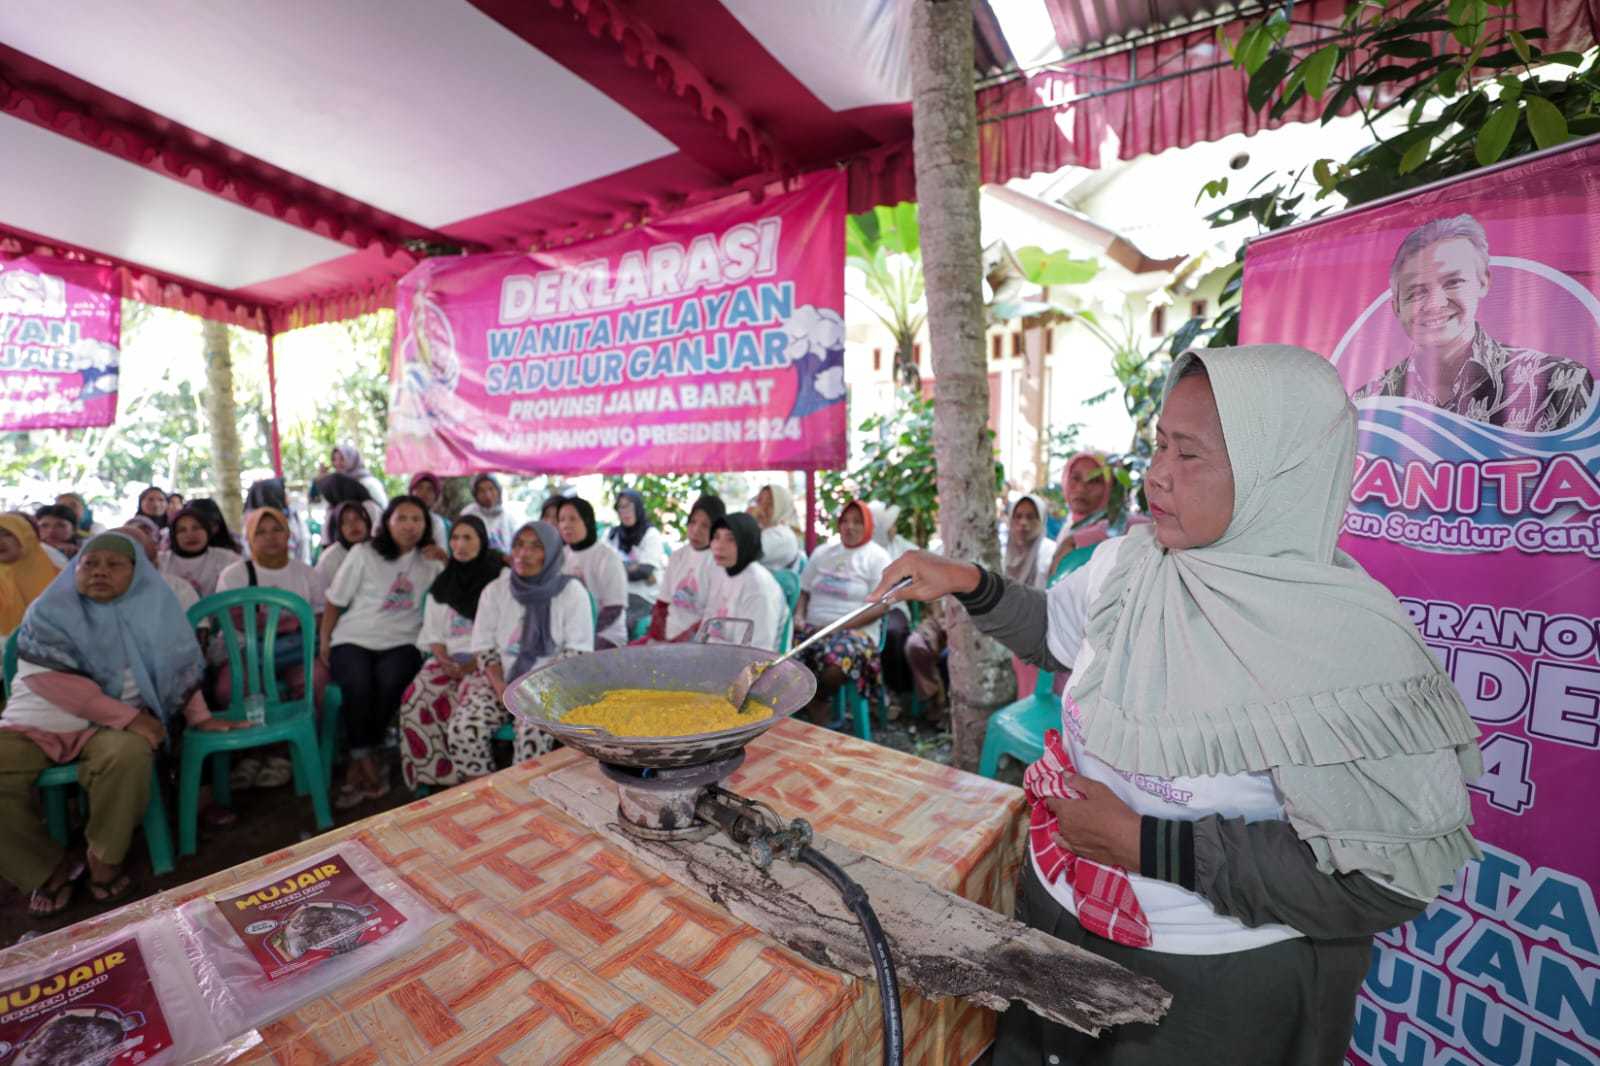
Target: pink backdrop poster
(1471, 350)
(60, 334)
(710, 340)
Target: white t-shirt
(328, 562)
(502, 529)
(441, 530)
(25, 708)
(443, 624)
(600, 570)
(381, 600)
(838, 580)
(296, 577)
(779, 547)
(187, 596)
(754, 594)
(201, 571)
(1181, 922)
(375, 489)
(684, 585)
(650, 551)
(499, 623)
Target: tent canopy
(275, 165)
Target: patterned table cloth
(558, 948)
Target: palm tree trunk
(945, 139)
(222, 418)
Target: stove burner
(658, 804)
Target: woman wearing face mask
(488, 503)
(351, 525)
(451, 706)
(681, 601)
(266, 530)
(643, 552)
(598, 567)
(193, 555)
(1259, 758)
(106, 665)
(834, 583)
(532, 614)
(25, 570)
(739, 589)
(780, 527)
(368, 636)
(430, 490)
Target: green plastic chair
(789, 582)
(288, 720)
(849, 705)
(1018, 729)
(54, 782)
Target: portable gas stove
(669, 788)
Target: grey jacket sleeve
(1015, 615)
(1261, 872)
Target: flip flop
(113, 890)
(44, 904)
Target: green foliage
(668, 497)
(898, 467)
(885, 245)
(358, 413)
(1490, 93)
(1055, 268)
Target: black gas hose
(855, 897)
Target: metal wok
(544, 695)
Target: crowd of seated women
(421, 622)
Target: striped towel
(1106, 903)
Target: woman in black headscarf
(681, 599)
(432, 708)
(598, 567)
(644, 555)
(738, 588)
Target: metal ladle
(739, 691)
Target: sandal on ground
(111, 891)
(276, 772)
(45, 903)
(349, 795)
(216, 816)
(244, 773)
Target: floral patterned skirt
(853, 652)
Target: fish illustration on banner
(1466, 327)
(60, 338)
(712, 339)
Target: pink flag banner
(709, 340)
(60, 340)
(1465, 322)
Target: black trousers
(1287, 1004)
(373, 682)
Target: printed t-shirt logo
(687, 592)
(402, 595)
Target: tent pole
(811, 512)
(272, 404)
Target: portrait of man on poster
(1437, 279)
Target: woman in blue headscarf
(106, 665)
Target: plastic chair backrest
(1075, 558)
(789, 581)
(10, 664)
(251, 660)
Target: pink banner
(1465, 323)
(60, 334)
(710, 340)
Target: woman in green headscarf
(1260, 764)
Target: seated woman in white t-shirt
(836, 581)
(738, 588)
(267, 532)
(426, 486)
(194, 554)
(598, 567)
(780, 527)
(531, 615)
(643, 551)
(369, 636)
(440, 740)
(351, 525)
(681, 599)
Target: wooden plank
(942, 945)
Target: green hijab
(1272, 650)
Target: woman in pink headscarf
(1086, 484)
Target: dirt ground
(270, 819)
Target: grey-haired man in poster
(1439, 275)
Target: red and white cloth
(1105, 899)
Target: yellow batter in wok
(647, 712)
